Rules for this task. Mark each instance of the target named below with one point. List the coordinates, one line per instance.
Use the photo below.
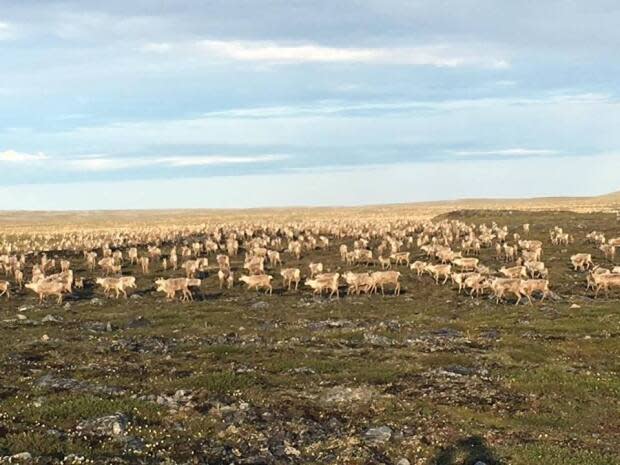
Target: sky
(239, 103)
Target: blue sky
(149, 104)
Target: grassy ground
(292, 379)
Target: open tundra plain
(430, 376)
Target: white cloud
(393, 184)
(20, 157)
(220, 160)
(271, 52)
(156, 47)
(334, 107)
(506, 152)
(105, 163)
(277, 53)
(6, 31)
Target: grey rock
(95, 326)
(403, 461)
(139, 322)
(25, 308)
(460, 370)
(110, 425)
(135, 296)
(67, 306)
(69, 384)
(133, 443)
(447, 333)
(51, 319)
(302, 371)
(339, 394)
(378, 435)
(96, 301)
(22, 456)
(259, 306)
(21, 317)
(380, 341)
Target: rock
(575, 306)
(380, 341)
(67, 306)
(290, 450)
(96, 301)
(69, 384)
(139, 322)
(108, 327)
(448, 333)
(94, 326)
(45, 338)
(73, 458)
(339, 394)
(133, 443)
(51, 319)
(460, 370)
(403, 461)
(378, 435)
(480, 462)
(22, 456)
(259, 306)
(302, 371)
(490, 334)
(135, 296)
(111, 425)
(21, 317)
(25, 308)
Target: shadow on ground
(466, 451)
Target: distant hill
(20, 221)
(613, 196)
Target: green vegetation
(301, 380)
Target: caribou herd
(268, 254)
